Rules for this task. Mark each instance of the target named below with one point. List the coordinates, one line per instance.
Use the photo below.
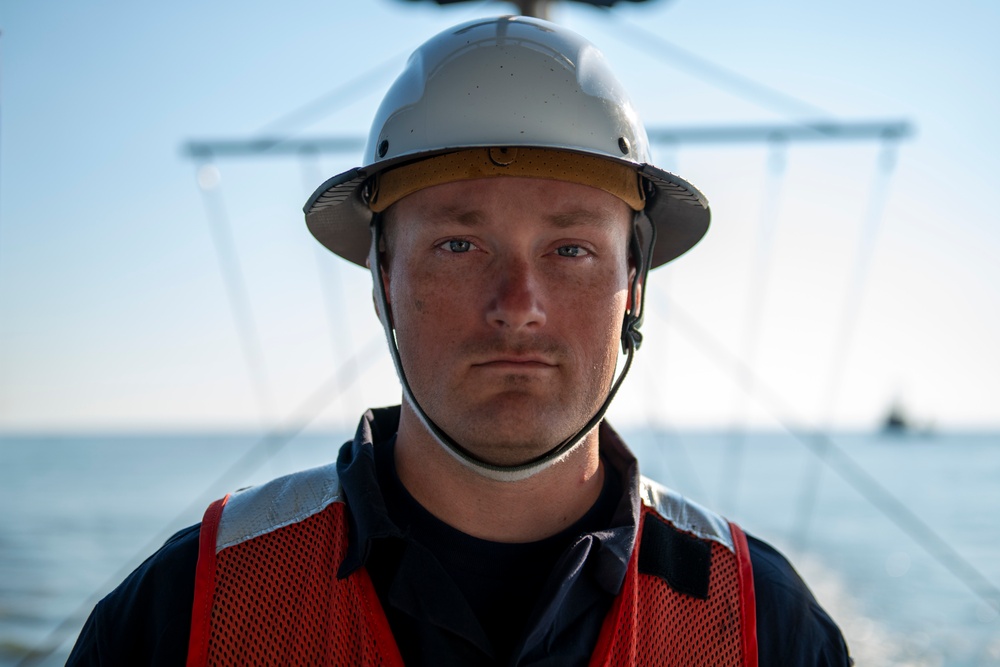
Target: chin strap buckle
(631, 336)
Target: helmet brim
(338, 216)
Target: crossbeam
(817, 131)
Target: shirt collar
(369, 517)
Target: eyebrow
(454, 214)
(578, 217)
(562, 220)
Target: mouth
(516, 362)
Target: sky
(837, 277)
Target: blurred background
(823, 367)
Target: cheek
(594, 315)
(613, 318)
(421, 303)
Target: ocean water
(892, 533)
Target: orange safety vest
(267, 592)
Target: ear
(368, 265)
(384, 275)
(638, 288)
(635, 263)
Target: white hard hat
(507, 83)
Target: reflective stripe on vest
(266, 590)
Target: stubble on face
(508, 393)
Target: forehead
(498, 201)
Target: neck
(523, 511)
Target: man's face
(507, 296)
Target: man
(508, 214)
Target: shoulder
(146, 619)
(685, 514)
(792, 627)
(258, 510)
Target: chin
(513, 426)
(521, 441)
(508, 452)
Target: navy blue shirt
(454, 599)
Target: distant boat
(898, 422)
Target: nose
(517, 299)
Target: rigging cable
(227, 256)
(723, 77)
(339, 329)
(274, 439)
(687, 476)
(853, 299)
(286, 125)
(349, 91)
(830, 454)
(687, 473)
(228, 259)
(251, 460)
(755, 299)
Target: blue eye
(570, 251)
(458, 245)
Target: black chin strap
(631, 339)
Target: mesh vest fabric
(275, 599)
(652, 624)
